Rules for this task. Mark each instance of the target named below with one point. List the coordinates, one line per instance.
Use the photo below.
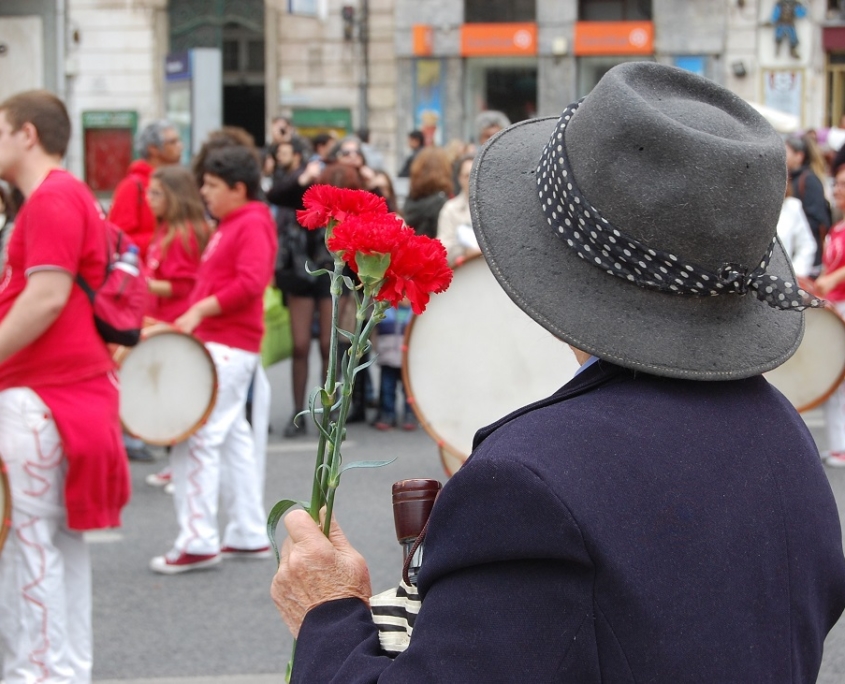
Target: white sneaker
(836, 459)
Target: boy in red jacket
(227, 314)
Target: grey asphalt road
(219, 626)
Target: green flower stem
(363, 329)
(318, 487)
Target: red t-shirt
(69, 366)
(236, 267)
(178, 264)
(58, 227)
(833, 258)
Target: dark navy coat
(629, 528)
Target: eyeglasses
(349, 153)
(173, 141)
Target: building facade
(395, 65)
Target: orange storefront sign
(614, 38)
(423, 40)
(495, 40)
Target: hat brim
(700, 338)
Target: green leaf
(273, 519)
(366, 464)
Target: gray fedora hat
(640, 226)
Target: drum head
(473, 357)
(811, 375)
(167, 387)
(5, 505)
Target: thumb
(336, 535)
(301, 527)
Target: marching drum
(473, 357)
(5, 505)
(811, 375)
(168, 385)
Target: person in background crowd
(389, 339)
(173, 258)
(374, 158)
(795, 236)
(60, 433)
(222, 137)
(281, 130)
(454, 225)
(383, 186)
(158, 144)
(430, 187)
(305, 295)
(268, 166)
(488, 123)
(806, 169)
(182, 233)
(349, 153)
(831, 285)
(322, 144)
(416, 141)
(227, 315)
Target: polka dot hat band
(598, 242)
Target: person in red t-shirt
(158, 144)
(59, 427)
(227, 314)
(173, 258)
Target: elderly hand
(315, 569)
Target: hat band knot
(579, 224)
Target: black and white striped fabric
(394, 612)
(597, 242)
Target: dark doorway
(243, 105)
(512, 91)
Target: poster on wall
(428, 99)
(782, 90)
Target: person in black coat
(665, 516)
(807, 186)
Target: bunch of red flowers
(366, 236)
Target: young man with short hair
(227, 314)
(59, 427)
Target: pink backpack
(119, 303)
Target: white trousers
(45, 569)
(834, 410)
(221, 462)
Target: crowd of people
(210, 240)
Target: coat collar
(595, 375)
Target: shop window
(614, 10)
(499, 11)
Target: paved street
(219, 626)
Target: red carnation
(374, 234)
(416, 270)
(325, 202)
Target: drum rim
(164, 329)
(442, 444)
(840, 378)
(807, 284)
(6, 512)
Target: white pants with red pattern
(221, 462)
(45, 570)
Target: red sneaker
(175, 562)
(232, 552)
